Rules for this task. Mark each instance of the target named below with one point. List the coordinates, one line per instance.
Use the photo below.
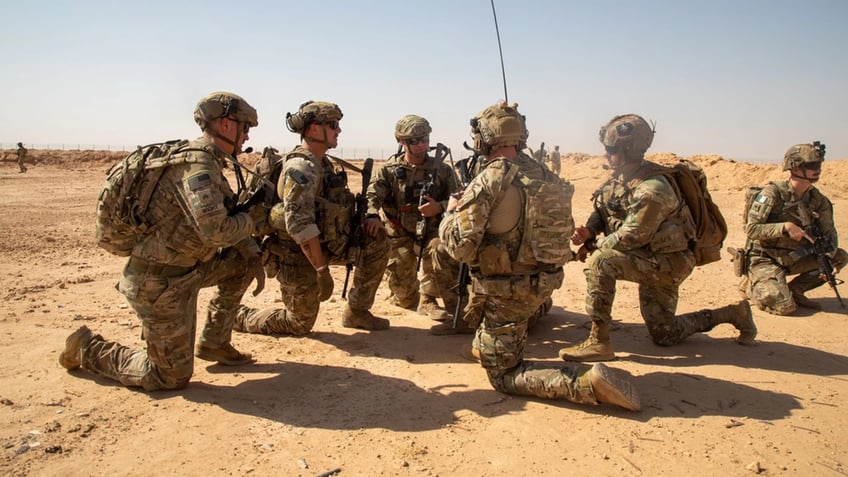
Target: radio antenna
(500, 50)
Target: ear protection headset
(299, 121)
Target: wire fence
(357, 152)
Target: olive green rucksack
(129, 185)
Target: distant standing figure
(22, 152)
(541, 154)
(555, 160)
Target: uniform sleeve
(653, 201)
(378, 190)
(824, 209)
(203, 190)
(298, 187)
(757, 226)
(462, 231)
(451, 184)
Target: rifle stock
(463, 279)
(357, 232)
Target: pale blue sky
(744, 79)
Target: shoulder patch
(299, 177)
(198, 182)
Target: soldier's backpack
(548, 220)
(129, 185)
(710, 226)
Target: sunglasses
(611, 149)
(812, 166)
(333, 124)
(418, 140)
(245, 128)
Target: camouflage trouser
(436, 278)
(506, 306)
(299, 290)
(769, 290)
(167, 307)
(400, 270)
(440, 275)
(659, 277)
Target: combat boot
(71, 356)
(363, 319)
(607, 388)
(740, 316)
(446, 328)
(428, 306)
(470, 352)
(802, 284)
(596, 348)
(801, 300)
(226, 355)
(409, 303)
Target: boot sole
(612, 390)
(69, 361)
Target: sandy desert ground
(402, 402)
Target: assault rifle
(260, 190)
(423, 224)
(464, 167)
(820, 247)
(357, 224)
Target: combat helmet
(312, 112)
(412, 126)
(499, 125)
(628, 134)
(221, 104)
(801, 154)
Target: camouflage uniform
(21, 152)
(647, 229)
(770, 250)
(506, 302)
(315, 198)
(647, 232)
(197, 244)
(394, 194)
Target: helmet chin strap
(325, 141)
(213, 132)
(804, 177)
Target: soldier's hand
(797, 233)
(581, 235)
(430, 207)
(325, 284)
(374, 227)
(257, 271)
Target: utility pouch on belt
(739, 257)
